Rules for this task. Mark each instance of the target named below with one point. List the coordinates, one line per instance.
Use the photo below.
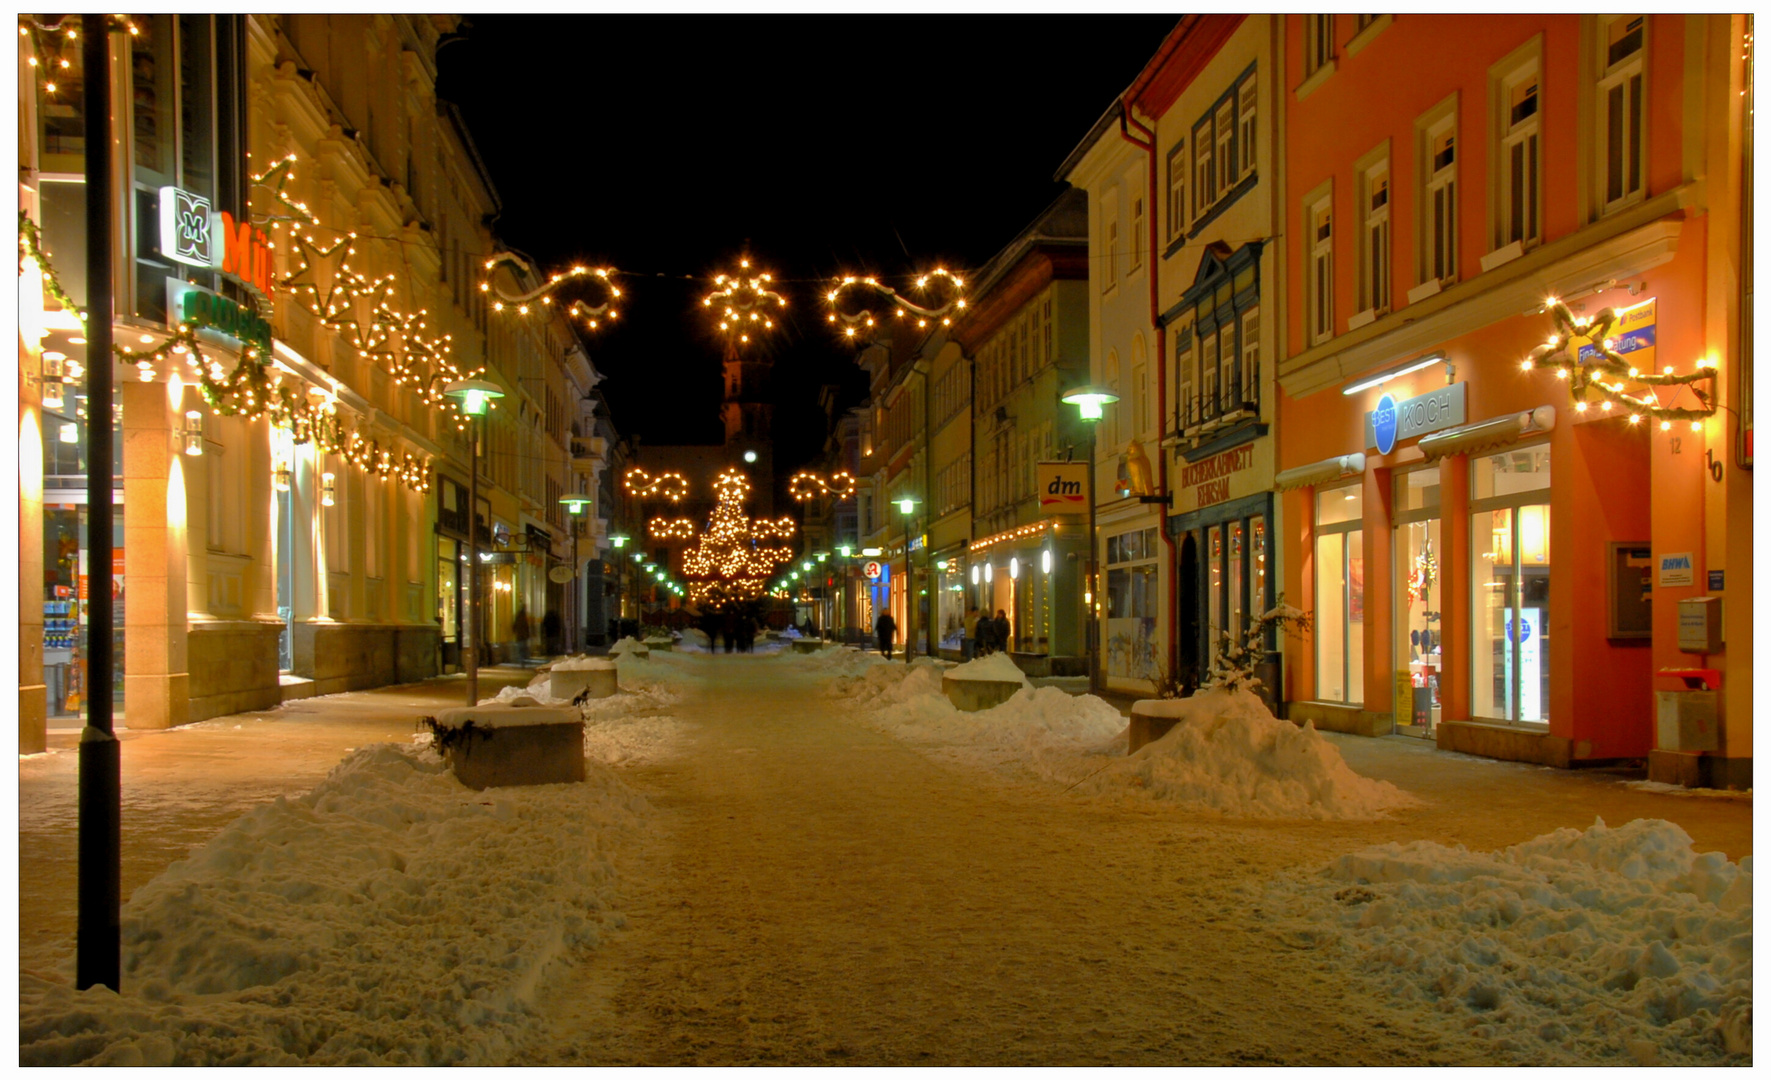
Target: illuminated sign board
(1393, 421)
(191, 232)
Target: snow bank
(627, 645)
(1620, 946)
(997, 667)
(389, 916)
(519, 711)
(842, 660)
(535, 692)
(1229, 754)
(584, 663)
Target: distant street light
(1089, 400)
(474, 396)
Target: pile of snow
(1620, 946)
(388, 917)
(536, 692)
(627, 645)
(997, 667)
(519, 711)
(584, 663)
(1229, 754)
(842, 661)
(695, 639)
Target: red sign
(871, 570)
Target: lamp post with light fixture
(574, 505)
(474, 396)
(907, 507)
(618, 541)
(1088, 400)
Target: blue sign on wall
(1383, 423)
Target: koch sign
(1063, 487)
(1393, 421)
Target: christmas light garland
(807, 485)
(852, 287)
(41, 36)
(742, 302)
(1557, 355)
(542, 296)
(643, 485)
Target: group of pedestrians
(735, 628)
(985, 635)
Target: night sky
(659, 145)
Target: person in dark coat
(885, 628)
(984, 636)
(1000, 627)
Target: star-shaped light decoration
(743, 303)
(358, 311)
(323, 271)
(271, 206)
(1610, 376)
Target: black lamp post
(474, 396)
(574, 505)
(1089, 399)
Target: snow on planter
(1227, 753)
(521, 742)
(387, 917)
(581, 675)
(1604, 946)
(628, 646)
(982, 684)
(997, 667)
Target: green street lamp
(1089, 400)
(473, 396)
(574, 505)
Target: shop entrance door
(1189, 613)
(1417, 648)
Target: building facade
(1438, 198)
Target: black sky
(661, 144)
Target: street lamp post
(907, 507)
(574, 505)
(1089, 400)
(619, 540)
(473, 395)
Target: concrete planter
(487, 749)
(660, 644)
(569, 684)
(1148, 723)
(807, 645)
(976, 695)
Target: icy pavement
(801, 885)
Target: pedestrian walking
(969, 646)
(885, 628)
(999, 630)
(519, 632)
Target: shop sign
(916, 542)
(191, 232)
(871, 570)
(1676, 569)
(1063, 487)
(1399, 420)
(1632, 337)
(194, 305)
(1210, 479)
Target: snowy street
(780, 875)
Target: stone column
(156, 688)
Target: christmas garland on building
(1610, 377)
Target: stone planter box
(976, 695)
(488, 746)
(1151, 719)
(807, 645)
(660, 644)
(569, 684)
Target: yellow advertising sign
(1632, 337)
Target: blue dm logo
(1383, 424)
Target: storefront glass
(952, 603)
(1419, 659)
(1510, 586)
(1340, 596)
(1214, 584)
(1132, 604)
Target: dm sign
(1393, 421)
(1063, 487)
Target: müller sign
(191, 232)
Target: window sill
(1223, 203)
(1500, 256)
(1427, 288)
(1247, 429)
(1364, 37)
(1316, 79)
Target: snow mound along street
(997, 667)
(1608, 946)
(584, 663)
(840, 660)
(1229, 754)
(389, 916)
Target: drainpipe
(1147, 143)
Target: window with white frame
(1186, 411)
(1251, 359)
(1228, 388)
(1136, 240)
(1208, 370)
(1112, 419)
(1318, 42)
(1519, 157)
(1177, 191)
(1364, 22)
(1109, 238)
(1621, 99)
(1319, 222)
(1224, 133)
(1438, 198)
(1205, 191)
(1245, 125)
(1374, 245)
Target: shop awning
(1320, 472)
(1488, 434)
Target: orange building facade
(1488, 565)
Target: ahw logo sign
(1063, 487)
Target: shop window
(1340, 596)
(1419, 599)
(1132, 604)
(1510, 586)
